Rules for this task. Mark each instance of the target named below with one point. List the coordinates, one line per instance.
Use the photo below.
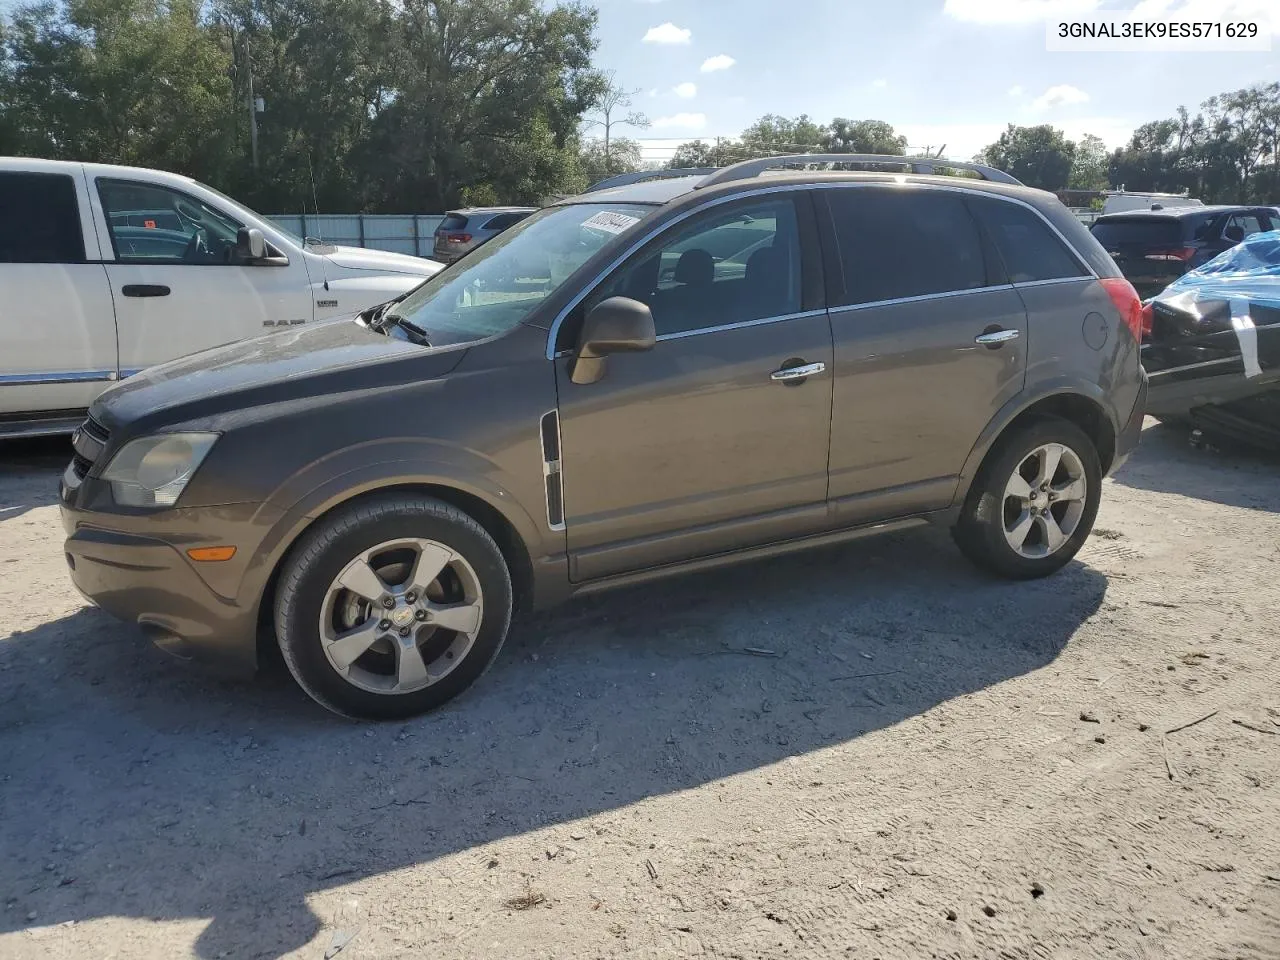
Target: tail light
(457, 237)
(1127, 302)
(1148, 321)
(1182, 254)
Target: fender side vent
(550, 430)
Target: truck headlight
(153, 471)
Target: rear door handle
(797, 373)
(993, 338)
(145, 290)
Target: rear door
(930, 340)
(57, 329)
(704, 444)
(177, 282)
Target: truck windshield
(500, 283)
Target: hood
(317, 363)
(383, 261)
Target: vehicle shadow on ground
(1168, 462)
(150, 790)
(29, 471)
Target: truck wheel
(1034, 501)
(392, 606)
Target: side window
(897, 243)
(39, 219)
(154, 224)
(1025, 244)
(1248, 222)
(733, 264)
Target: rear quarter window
(895, 244)
(1027, 246)
(39, 219)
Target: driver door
(176, 283)
(710, 441)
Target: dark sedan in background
(1153, 248)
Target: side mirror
(251, 245)
(616, 325)
(1234, 234)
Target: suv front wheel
(1034, 501)
(392, 606)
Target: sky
(943, 72)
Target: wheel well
(512, 545)
(1084, 413)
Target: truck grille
(88, 443)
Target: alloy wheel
(401, 616)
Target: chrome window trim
(946, 294)
(72, 376)
(721, 327)
(1046, 283)
(1193, 366)
(590, 287)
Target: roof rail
(922, 165)
(622, 179)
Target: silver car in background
(463, 230)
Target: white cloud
(720, 61)
(685, 91)
(880, 83)
(1016, 11)
(1059, 96)
(1015, 90)
(668, 33)
(653, 92)
(684, 121)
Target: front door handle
(797, 373)
(993, 338)
(145, 290)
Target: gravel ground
(933, 764)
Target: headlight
(153, 471)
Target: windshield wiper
(415, 332)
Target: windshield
(500, 283)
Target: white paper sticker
(611, 222)
(1247, 334)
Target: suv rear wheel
(392, 607)
(1033, 502)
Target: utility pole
(253, 107)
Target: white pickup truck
(105, 270)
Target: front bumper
(135, 567)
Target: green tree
(863, 136)
(118, 81)
(1039, 156)
(623, 157)
(774, 134)
(484, 92)
(613, 109)
(1089, 166)
(699, 153)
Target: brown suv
(655, 377)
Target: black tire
(321, 555)
(979, 532)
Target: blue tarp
(1250, 270)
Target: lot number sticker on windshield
(611, 222)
